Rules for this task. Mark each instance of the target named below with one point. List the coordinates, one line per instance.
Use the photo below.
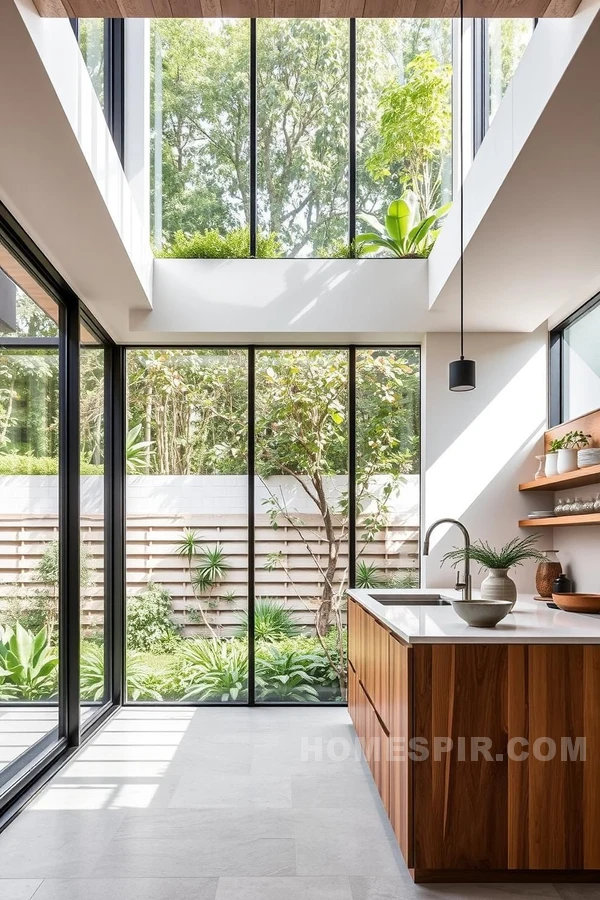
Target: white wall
(479, 446)
(31, 495)
(60, 174)
(293, 300)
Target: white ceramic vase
(550, 466)
(498, 586)
(567, 461)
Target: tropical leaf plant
(285, 675)
(91, 679)
(401, 235)
(272, 620)
(136, 451)
(28, 662)
(215, 670)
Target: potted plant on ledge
(497, 585)
(568, 448)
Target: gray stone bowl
(482, 613)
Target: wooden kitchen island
(504, 809)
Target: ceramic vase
(498, 586)
(550, 466)
(541, 469)
(548, 569)
(567, 461)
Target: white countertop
(530, 622)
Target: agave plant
(368, 575)
(285, 676)
(215, 670)
(28, 662)
(401, 235)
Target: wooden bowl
(580, 603)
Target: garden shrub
(272, 620)
(211, 244)
(16, 464)
(214, 670)
(149, 622)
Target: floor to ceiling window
(269, 136)
(210, 602)
(93, 594)
(30, 622)
(200, 138)
(498, 47)
(91, 37)
(187, 501)
(404, 114)
(302, 138)
(507, 40)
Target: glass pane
(301, 526)
(91, 43)
(187, 558)
(93, 598)
(302, 110)
(403, 117)
(507, 39)
(581, 380)
(200, 114)
(387, 468)
(29, 549)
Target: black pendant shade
(462, 375)
(461, 372)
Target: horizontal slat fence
(152, 556)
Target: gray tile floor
(220, 804)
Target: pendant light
(462, 371)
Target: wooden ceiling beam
(306, 8)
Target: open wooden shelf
(557, 521)
(578, 478)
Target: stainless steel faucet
(466, 585)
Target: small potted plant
(567, 452)
(551, 461)
(497, 585)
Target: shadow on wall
(283, 295)
(479, 446)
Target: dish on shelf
(541, 514)
(590, 456)
(579, 603)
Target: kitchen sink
(410, 599)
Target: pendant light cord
(461, 185)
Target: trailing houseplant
(497, 585)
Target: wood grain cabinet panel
(460, 797)
(400, 717)
(470, 804)
(561, 827)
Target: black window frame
(481, 88)
(352, 182)
(556, 361)
(24, 776)
(114, 79)
(251, 350)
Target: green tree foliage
(416, 130)
(205, 130)
(302, 112)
